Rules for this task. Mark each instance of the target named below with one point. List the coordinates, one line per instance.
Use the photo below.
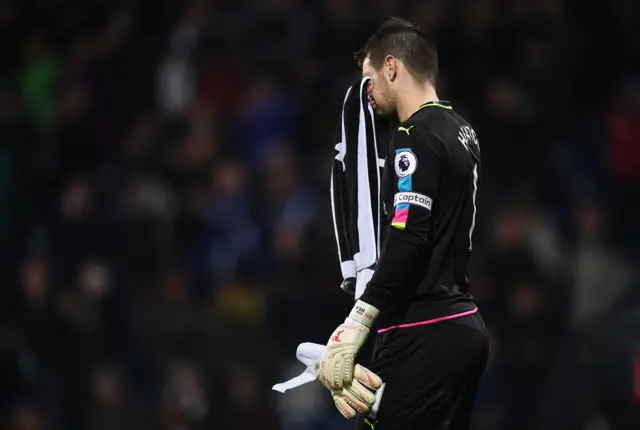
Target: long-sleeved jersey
(429, 189)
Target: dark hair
(405, 41)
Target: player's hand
(337, 368)
(339, 359)
(357, 397)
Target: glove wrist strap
(363, 313)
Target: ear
(390, 67)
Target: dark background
(165, 232)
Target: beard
(384, 112)
(383, 106)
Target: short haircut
(405, 41)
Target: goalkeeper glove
(356, 397)
(337, 365)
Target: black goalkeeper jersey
(429, 188)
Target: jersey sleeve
(417, 164)
(418, 159)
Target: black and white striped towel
(362, 143)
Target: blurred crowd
(165, 232)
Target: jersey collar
(439, 103)
(435, 103)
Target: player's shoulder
(438, 116)
(429, 118)
(423, 127)
(435, 122)
(412, 129)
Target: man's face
(380, 94)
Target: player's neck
(414, 96)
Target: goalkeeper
(431, 346)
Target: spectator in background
(111, 406)
(184, 400)
(234, 233)
(624, 135)
(28, 416)
(165, 325)
(39, 79)
(177, 74)
(599, 276)
(266, 118)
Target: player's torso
(442, 281)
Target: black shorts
(431, 374)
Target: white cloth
(362, 279)
(309, 354)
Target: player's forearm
(401, 252)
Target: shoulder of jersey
(405, 160)
(407, 128)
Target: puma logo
(336, 338)
(370, 424)
(406, 130)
